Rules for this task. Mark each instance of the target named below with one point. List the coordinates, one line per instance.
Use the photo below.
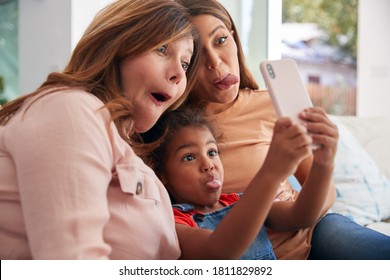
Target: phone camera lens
(270, 71)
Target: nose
(208, 169)
(207, 166)
(176, 73)
(212, 59)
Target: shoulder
(256, 103)
(63, 105)
(184, 218)
(253, 100)
(76, 98)
(68, 117)
(250, 95)
(228, 198)
(263, 99)
(251, 109)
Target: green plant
(2, 98)
(338, 18)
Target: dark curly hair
(156, 140)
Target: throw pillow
(363, 192)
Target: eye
(162, 49)
(221, 40)
(188, 158)
(213, 153)
(185, 65)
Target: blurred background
(341, 46)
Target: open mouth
(160, 97)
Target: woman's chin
(146, 118)
(144, 126)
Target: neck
(207, 209)
(216, 108)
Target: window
(8, 49)
(321, 36)
(314, 79)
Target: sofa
(362, 170)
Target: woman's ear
(232, 31)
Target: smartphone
(287, 90)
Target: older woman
(71, 185)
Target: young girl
(231, 99)
(210, 225)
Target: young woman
(71, 185)
(229, 95)
(210, 225)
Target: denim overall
(260, 249)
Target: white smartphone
(287, 90)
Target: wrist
(328, 167)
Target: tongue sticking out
(214, 184)
(228, 81)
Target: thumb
(282, 123)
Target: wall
(260, 33)
(48, 31)
(82, 13)
(373, 76)
(42, 25)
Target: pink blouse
(71, 188)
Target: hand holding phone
(287, 90)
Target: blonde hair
(215, 9)
(122, 29)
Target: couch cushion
(363, 192)
(373, 133)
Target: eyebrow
(181, 147)
(221, 26)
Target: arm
(318, 192)
(302, 174)
(236, 231)
(63, 159)
(241, 225)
